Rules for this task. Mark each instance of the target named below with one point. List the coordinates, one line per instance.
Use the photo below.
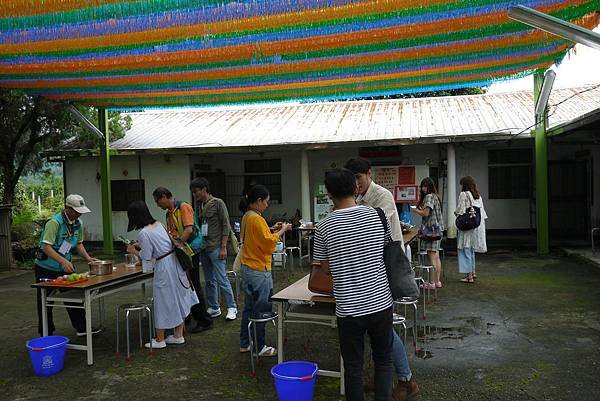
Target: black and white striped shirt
(352, 240)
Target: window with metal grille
(510, 174)
(266, 172)
(123, 192)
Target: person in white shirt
(470, 241)
(374, 195)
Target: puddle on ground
(465, 327)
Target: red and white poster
(406, 193)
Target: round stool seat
(407, 300)
(138, 307)
(132, 307)
(264, 317)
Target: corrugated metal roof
(420, 120)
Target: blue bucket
(295, 380)
(47, 354)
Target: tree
(448, 92)
(30, 124)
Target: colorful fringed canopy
(132, 54)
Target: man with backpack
(181, 225)
(214, 223)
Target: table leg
(44, 312)
(280, 332)
(342, 380)
(88, 327)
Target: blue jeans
(258, 288)
(215, 274)
(400, 359)
(466, 260)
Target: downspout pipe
(107, 234)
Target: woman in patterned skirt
(430, 209)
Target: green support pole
(107, 235)
(541, 172)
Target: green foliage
(31, 124)
(118, 125)
(27, 219)
(449, 92)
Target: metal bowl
(101, 267)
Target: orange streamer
(307, 84)
(328, 91)
(264, 22)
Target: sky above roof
(579, 68)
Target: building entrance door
(569, 203)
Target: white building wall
(174, 173)
(233, 164)
(80, 177)
(472, 159)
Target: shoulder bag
(471, 218)
(319, 281)
(401, 277)
(430, 232)
(237, 263)
(184, 254)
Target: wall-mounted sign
(406, 193)
(406, 176)
(387, 177)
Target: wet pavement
(528, 329)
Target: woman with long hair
(173, 295)
(257, 283)
(473, 240)
(429, 208)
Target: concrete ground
(528, 329)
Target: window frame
(120, 191)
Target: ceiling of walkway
(148, 53)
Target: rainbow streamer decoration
(164, 53)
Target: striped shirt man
(352, 240)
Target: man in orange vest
(180, 224)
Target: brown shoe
(405, 391)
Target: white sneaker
(171, 339)
(268, 351)
(231, 314)
(157, 344)
(214, 312)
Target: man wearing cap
(62, 233)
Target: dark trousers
(77, 316)
(198, 311)
(351, 332)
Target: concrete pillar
(305, 187)
(452, 196)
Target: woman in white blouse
(470, 241)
